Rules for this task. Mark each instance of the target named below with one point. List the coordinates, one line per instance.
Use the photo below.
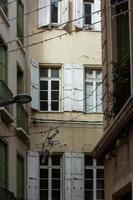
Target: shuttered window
(20, 21)
(3, 164)
(51, 178)
(3, 61)
(20, 80)
(94, 179)
(20, 177)
(4, 6)
(49, 89)
(53, 12)
(93, 90)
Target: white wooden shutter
(44, 13)
(64, 12)
(96, 6)
(77, 176)
(35, 85)
(33, 175)
(68, 87)
(78, 13)
(78, 85)
(67, 176)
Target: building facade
(64, 52)
(115, 147)
(14, 139)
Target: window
(4, 6)
(93, 90)
(3, 164)
(3, 61)
(50, 178)
(20, 81)
(87, 12)
(121, 54)
(20, 21)
(20, 177)
(94, 179)
(49, 89)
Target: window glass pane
(100, 173)
(89, 97)
(88, 195)
(43, 194)
(43, 85)
(46, 161)
(100, 184)
(88, 174)
(55, 184)
(98, 74)
(43, 95)
(55, 173)
(99, 97)
(44, 106)
(88, 161)
(100, 194)
(54, 95)
(55, 194)
(55, 105)
(89, 74)
(43, 173)
(55, 160)
(3, 164)
(100, 162)
(54, 85)
(54, 72)
(88, 184)
(43, 184)
(54, 11)
(87, 13)
(43, 72)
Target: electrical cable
(59, 36)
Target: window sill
(23, 135)
(5, 116)
(20, 45)
(4, 17)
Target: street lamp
(20, 99)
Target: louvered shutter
(78, 13)
(96, 6)
(35, 85)
(64, 12)
(68, 87)
(78, 84)
(33, 176)
(77, 176)
(68, 176)
(44, 13)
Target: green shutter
(20, 177)
(3, 164)
(20, 20)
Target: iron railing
(22, 118)
(5, 95)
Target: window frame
(49, 79)
(50, 167)
(94, 167)
(94, 82)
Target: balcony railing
(22, 118)
(5, 94)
